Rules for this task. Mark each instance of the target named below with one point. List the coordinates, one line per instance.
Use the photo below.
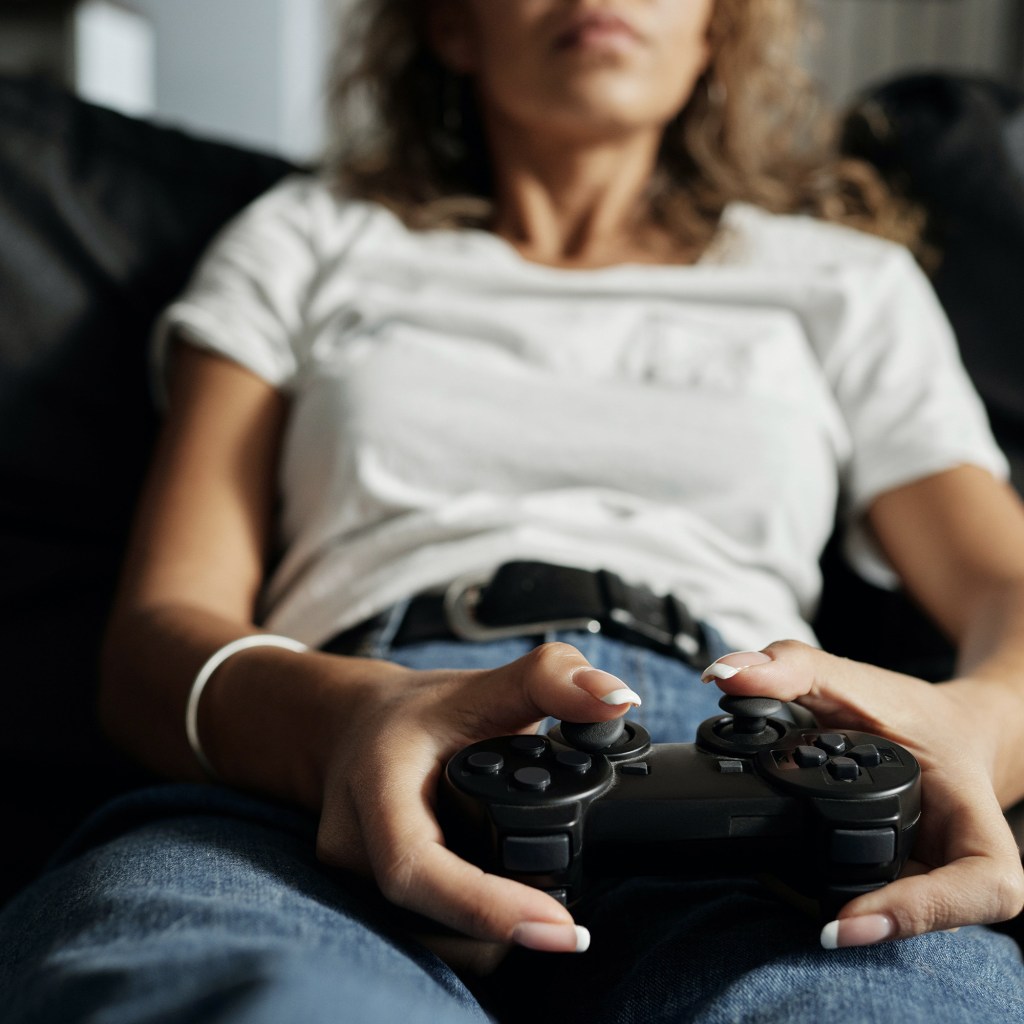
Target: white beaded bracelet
(209, 667)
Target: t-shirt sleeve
(246, 299)
(909, 405)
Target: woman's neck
(579, 203)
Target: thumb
(555, 680)
(826, 685)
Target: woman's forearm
(990, 676)
(265, 718)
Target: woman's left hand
(965, 867)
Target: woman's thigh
(729, 950)
(194, 904)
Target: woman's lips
(597, 29)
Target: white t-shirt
(454, 406)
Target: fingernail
(552, 938)
(728, 665)
(605, 687)
(856, 931)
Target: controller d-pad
(866, 755)
(809, 757)
(843, 768)
(534, 779)
(831, 742)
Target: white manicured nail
(856, 931)
(718, 671)
(608, 689)
(729, 664)
(623, 696)
(552, 938)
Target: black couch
(101, 219)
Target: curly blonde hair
(407, 133)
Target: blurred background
(251, 71)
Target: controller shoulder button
(831, 742)
(809, 757)
(535, 854)
(533, 779)
(863, 846)
(843, 768)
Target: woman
(559, 315)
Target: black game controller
(830, 814)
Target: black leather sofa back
(101, 220)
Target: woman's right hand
(363, 743)
(382, 769)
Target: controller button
(485, 762)
(831, 742)
(809, 757)
(574, 760)
(729, 766)
(533, 855)
(866, 755)
(535, 779)
(863, 846)
(635, 768)
(532, 746)
(843, 768)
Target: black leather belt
(534, 598)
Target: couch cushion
(101, 220)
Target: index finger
(415, 870)
(434, 881)
(978, 880)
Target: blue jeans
(198, 904)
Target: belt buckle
(679, 635)
(463, 595)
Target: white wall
(248, 71)
(251, 70)
(114, 57)
(869, 40)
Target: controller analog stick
(593, 737)
(750, 714)
(748, 726)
